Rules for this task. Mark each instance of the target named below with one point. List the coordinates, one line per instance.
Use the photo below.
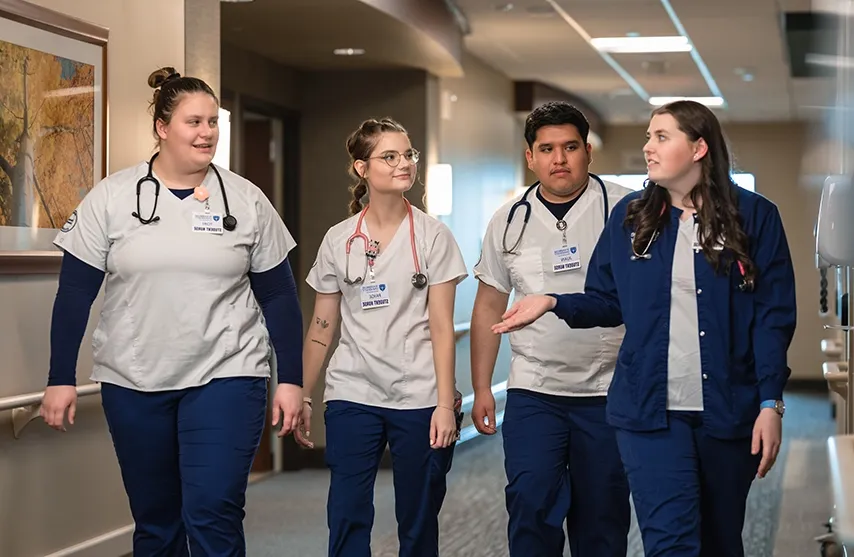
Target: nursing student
(560, 456)
(388, 274)
(198, 294)
(700, 273)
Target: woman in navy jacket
(699, 271)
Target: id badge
(375, 296)
(565, 258)
(207, 223)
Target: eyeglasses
(392, 158)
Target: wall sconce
(222, 157)
(440, 188)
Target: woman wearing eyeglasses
(699, 271)
(389, 272)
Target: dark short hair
(555, 113)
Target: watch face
(780, 406)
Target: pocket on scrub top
(526, 269)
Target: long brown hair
(715, 195)
(360, 145)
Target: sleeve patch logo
(70, 223)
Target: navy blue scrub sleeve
(79, 284)
(775, 309)
(599, 305)
(276, 292)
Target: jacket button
(705, 376)
(702, 333)
(699, 291)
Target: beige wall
(251, 74)
(773, 153)
(58, 490)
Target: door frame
(286, 454)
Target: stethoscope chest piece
(419, 280)
(229, 222)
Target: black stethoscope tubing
(229, 222)
(524, 203)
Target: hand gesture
(524, 312)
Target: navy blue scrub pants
(356, 437)
(185, 458)
(563, 466)
(689, 489)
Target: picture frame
(53, 129)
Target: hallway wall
(58, 490)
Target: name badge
(375, 296)
(566, 258)
(207, 223)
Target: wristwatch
(777, 405)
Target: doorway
(264, 150)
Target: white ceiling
(532, 41)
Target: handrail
(25, 408)
(461, 330)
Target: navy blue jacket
(744, 336)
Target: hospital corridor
(426, 278)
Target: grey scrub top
(178, 310)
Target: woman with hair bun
(389, 272)
(198, 296)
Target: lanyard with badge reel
(566, 257)
(206, 222)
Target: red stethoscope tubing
(358, 234)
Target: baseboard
(117, 542)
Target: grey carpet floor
(286, 514)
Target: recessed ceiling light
(746, 74)
(708, 101)
(637, 45)
(349, 51)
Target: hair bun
(162, 76)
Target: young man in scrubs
(561, 458)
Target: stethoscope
(745, 285)
(229, 222)
(372, 250)
(560, 224)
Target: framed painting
(53, 129)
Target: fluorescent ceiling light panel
(708, 101)
(639, 45)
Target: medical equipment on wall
(229, 222)
(419, 279)
(526, 205)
